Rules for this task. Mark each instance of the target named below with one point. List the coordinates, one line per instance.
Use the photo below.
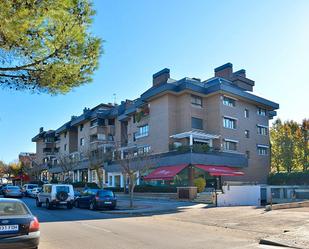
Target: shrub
(55, 181)
(293, 178)
(200, 183)
(200, 148)
(85, 184)
(148, 189)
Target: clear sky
(270, 39)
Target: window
(65, 147)
(111, 122)
(229, 123)
(65, 134)
(262, 130)
(82, 142)
(230, 145)
(247, 133)
(196, 101)
(143, 132)
(93, 122)
(261, 111)
(262, 150)
(197, 123)
(144, 150)
(81, 127)
(134, 119)
(229, 101)
(246, 113)
(248, 154)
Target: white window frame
(264, 130)
(194, 101)
(233, 127)
(261, 111)
(143, 131)
(225, 101)
(265, 149)
(226, 141)
(247, 113)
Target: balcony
(100, 129)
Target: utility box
(189, 193)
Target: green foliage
(289, 146)
(46, 46)
(54, 181)
(201, 148)
(85, 184)
(294, 178)
(149, 189)
(200, 183)
(198, 148)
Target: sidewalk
(144, 206)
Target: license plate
(107, 202)
(8, 228)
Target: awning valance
(220, 170)
(165, 172)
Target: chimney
(241, 73)
(41, 129)
(160, 77)
(225, 71)
(85, 110)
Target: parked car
(54, 195)
(77, 194)
(18, 227)
(35, 192)
(12, 191)
(27, 188)
(3, 186)
(96, 199)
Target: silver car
(12, 191)
(35, 192)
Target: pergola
(197, 136)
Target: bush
(200, 183)
(85, 184)
(55, 181)
(293, 178)
(148, 189)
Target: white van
(54, 195)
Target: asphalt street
(85, 229)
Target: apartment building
(221, 112)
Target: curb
(141, 213)
(273, 243)
(287, 205)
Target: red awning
(165, 172)
(220, 170)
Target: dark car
(12, 191)
(18, 227)
(96, 199)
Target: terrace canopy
(197, 136)
(169, 172)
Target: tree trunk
(97, 170)
(131, 196)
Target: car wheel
(48, 204)
(69, 205)
(38, 203)
(92, 206)
(76, 204)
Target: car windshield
(12, 208)
(13, 187)
(105, 193)
(32, 186)
(62, 189)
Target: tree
(68, 164)
(289, 146)
(134, 166)
(46, 46)
(96, 160)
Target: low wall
(244, 195)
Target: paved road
(85, 229)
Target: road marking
(95, 227)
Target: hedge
(84, 184)
(294, 178)
(148, 189)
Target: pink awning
(220, 170)
(165, 172)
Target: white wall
(247, 195)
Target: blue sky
(267, 38)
